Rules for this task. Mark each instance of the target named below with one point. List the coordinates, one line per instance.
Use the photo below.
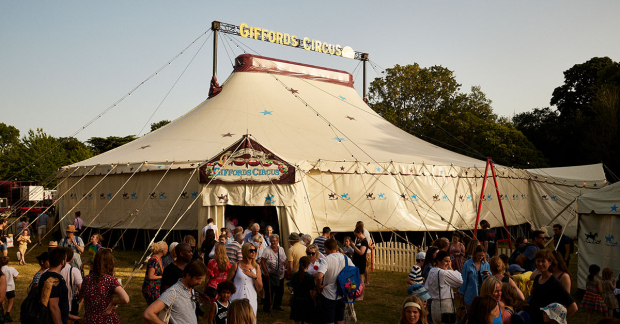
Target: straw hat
(52, 244)
(70, 228)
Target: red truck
(17, 197)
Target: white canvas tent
(599, 230)
(301, 139)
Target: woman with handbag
(273, 265)
(440, 283)
(154, 272)
(246, 275)
(217, 271)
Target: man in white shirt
(71, 275)
(210, 225)
(332, 305)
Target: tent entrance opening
(247, 215)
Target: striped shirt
(320, 243)
(233, 250)
(416, 275)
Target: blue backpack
(349, 282)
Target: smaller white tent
(599, 230)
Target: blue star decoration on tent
(269, 199)
(345, 196)
(342, 98)
(378, 169)
(265, 112)
(614, 208)
(381, 195)
(338, 139)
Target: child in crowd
(11, 274)
(303, 286)
(609, 285)
(415, 276)
(219, 309)
(592, 300)
(23, 240)
(554, 313)
(412, 312)
(348, 248)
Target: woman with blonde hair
(246, 275)
(498, 269)
(192, 243)
(154, 272)
(312, 251)
(217, 271)
(413, 312)
(240, 312)
(492, 287)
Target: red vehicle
(16, 197)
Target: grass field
(381, 303)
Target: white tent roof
(605, 201)
(300, 112)
(592, 172)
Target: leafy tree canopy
(103, 144)
(427, 103)
(159, 124)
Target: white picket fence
(400, 257)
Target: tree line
(582, 127)
(37, 155)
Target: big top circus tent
(301, 139)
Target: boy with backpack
(330, 301)
(49, 302)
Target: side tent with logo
(599, 231)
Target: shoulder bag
(274, 278)
(75, 302)
(164, 315)
(449, 318)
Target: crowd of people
(242, 269)
(530, 286)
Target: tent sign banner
(308, 44)
(250, 163)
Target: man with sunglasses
(526, 259)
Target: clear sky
(64, 62)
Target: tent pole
(365, 91)
(135, 239)
(560, 213)
(499, 199)
(484, 182)
(215, 26)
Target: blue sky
(64, 62)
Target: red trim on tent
(255, 63)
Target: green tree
(103, 144)
(584, 128)
(159, 124)
(427, 103)
(9, 137)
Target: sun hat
(293, 237)
(420, 256)
(52, 244)
(515, 267)
(419, 291)
(556, 312)
(70, 228)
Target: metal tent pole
(215, 26)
